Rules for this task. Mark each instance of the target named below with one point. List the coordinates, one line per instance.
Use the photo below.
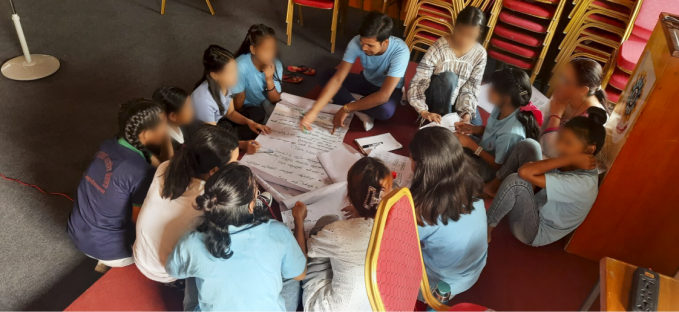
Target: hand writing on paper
(257, 128)
(253, 147)
(464, 127)
(307, 120)
(350, 212)
(299, 212)
(338, 121)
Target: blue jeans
(516, 200)
(356, 83)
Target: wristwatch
(478, 151)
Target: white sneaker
(368, 122)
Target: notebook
(383, 142)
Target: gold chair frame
(333, 27)
(162, 7)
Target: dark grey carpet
(110, 51)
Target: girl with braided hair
(237, 258)
(336, 248)
(115, 184)
(213, 100)
(510, 138)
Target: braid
(136, 116)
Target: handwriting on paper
(294, 162)
(319, 206)
(400, 164)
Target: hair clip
(524, 92)
(372, 198)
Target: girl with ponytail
(510, 138)
(168, 211)
(114, 186)
(212, 97)
(344, 243)
(260, 71)
(568, 183)
(237, 258)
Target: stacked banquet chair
(428, 20)
(596, 31)
(522, 31)
(333, 5)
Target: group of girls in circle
(167, 193)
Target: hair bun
(598, 115)
(205, 201)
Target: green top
(122, 142)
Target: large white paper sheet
(538, 99)
(278, 192)
(338, 162)
(400, 164)
(327, 201)
(294, 162)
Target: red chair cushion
(613, 7)
(435, 11)
(612, 94)
(426, 35)
(534, 9)
(434, 25)
(513, 48)
(630, 52)
(523, 22)
(320, 4)
(517, 35)
(511, 60)
(595, 48)
(607, 20)
(399, 263)
(468, 307)
(619, 79)
(648, 16)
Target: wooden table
(615, 281)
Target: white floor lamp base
(41, 66)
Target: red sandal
(302, 69)
(292, 78)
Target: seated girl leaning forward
(237, 258)
(448, 79)
(509, 139)
(568, 185)
(260, 72)
(168, 211)
(114, 186)
(180, 117)
(336, 278)
(451, 218)
(213, 102)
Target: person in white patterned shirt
(448, 78)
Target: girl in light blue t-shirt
(259, 81)
(569, 185)
(509, 138)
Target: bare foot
(491, 187)
(490, 229)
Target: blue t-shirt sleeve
(399, 61)
(353, 51)
(279, 75)
(503, 144)
(205, 107)
(178, 263)
(294, 261)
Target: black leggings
(243, 132)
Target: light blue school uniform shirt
(456, 253)
(376, 68)
(501, 135)
(205, 106)
(564, 203)
(251, 280)
(253, 82)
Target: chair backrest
(394, 267)
(648, 16)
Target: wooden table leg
(593, 295)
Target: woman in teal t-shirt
(569, 185)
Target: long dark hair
(255, 35)
(226, 202)
(210, 147)
(363, 184)
(471, 16)
(589, 73)
(590, 129)
(136, 116)
(445, 182)
(515, 83)
(172, 98)
(214, 60)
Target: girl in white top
(169, 210)
(335, 278)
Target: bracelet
(268, 90)
(346, 109)
(478, 151)
(557, 116)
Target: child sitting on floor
(180, 117)
(259, 71)
(168, 211)
(568, 185)
(451, 218)
(212, 99)
(114, 186)
(509, 139)
(336, 273)
(237, 256)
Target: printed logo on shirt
(107, 178)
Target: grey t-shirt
(564, 203)
(205, 105)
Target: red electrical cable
(35, 186)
